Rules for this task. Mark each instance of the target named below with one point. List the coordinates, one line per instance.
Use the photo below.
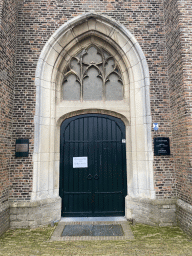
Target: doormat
(92, 230)
(82, 231)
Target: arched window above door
(93, 74)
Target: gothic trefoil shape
(96, 72)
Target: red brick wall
(185, 21)
(178, 20)
(37, 21)
(8, 16)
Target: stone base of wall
(184, 216)
(152, 212)
(35, 213)
(4, 218)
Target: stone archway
(50, 110)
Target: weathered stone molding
(185, 206)
(155, 201)
(33, 203)
(35, 213)
(160, 212)
(4, 206)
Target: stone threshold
(93, 219)
(128, 235)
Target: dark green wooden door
(93, 166)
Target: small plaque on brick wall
(161, 146)
(22, 148)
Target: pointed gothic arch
(76, 34)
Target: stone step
(92, 230)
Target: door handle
(89, 177)
(96, 177)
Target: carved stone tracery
(97, 74)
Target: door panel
(99, 189)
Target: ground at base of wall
(148, 241)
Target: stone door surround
(51, 109)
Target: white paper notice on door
(80, 162)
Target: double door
(93, 166)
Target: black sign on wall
(22, 148)
(161, 146)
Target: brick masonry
(144, 19)
(184, 216)
(8, 22)
(179, 68)
(4, 220)
(178, 18)
(160, 28)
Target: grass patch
(142, 231)
(148, 241)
